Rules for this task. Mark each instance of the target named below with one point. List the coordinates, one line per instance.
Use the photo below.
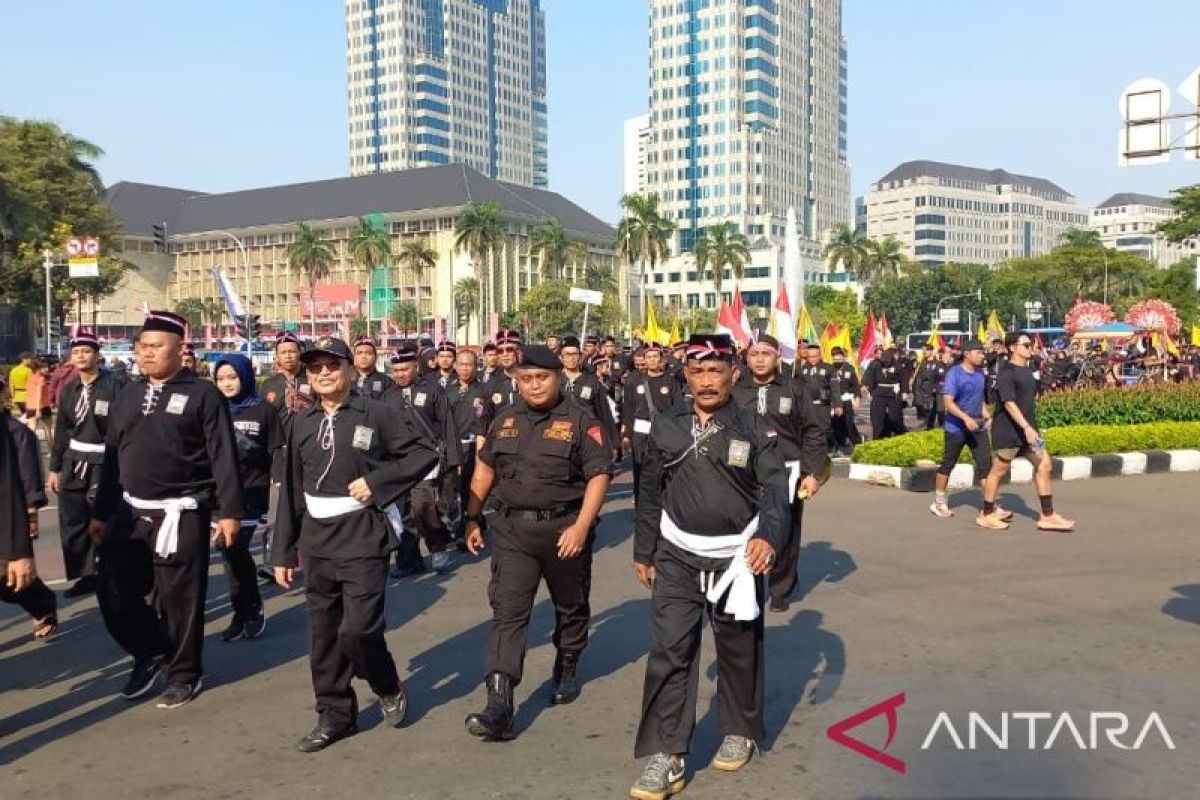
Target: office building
(433, 82)
(1128, 222)
(948, 213)
(637, 136)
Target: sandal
(44, 629)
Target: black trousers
(78, 549)
(242, 576)
(464, 483)
(842, 429)
(422, 513)
(887, 416)
(345, 599)
(935, 415)
(678, 606)
(525, 552)
(36, 599)
(173, 628)
(781, 581)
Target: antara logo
(837, 732)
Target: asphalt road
(892, 601)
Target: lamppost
(47, 263)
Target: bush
(1076, 440)
(1166, 403)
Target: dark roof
(1134, 199)
(938, 169)
(139, 206)
(452, 186)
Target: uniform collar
(557, 409)
(353, 400)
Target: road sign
(91, 246)
(948, 316)
(1145, 137)
(1190, 88)
(83, 267)
(592, 298)
(74, 246)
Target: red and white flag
(866, 349)
(742, 329)
(784, 324)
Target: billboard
(334, 301)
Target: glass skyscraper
(448, 81)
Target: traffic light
(255, 326)
(160, 236)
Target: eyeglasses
(1025, 344)
(323, 366)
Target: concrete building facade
(1128, 222)
(636, 137)
(432, 82)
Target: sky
(215, 95)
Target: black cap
(508, 336)
(365, 340)
(837, 351)
(165, 321)
(570, 341)
(540, 356)
(972, 344)
(405, 353)
(327, 346)
(284, 337)
(85, 339)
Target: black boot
(566, 685)
(495, 721)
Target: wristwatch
(473, 518)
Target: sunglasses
(1025, 344)
(323, 366)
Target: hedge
(1077, 440)
(1179, 402)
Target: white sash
(167, 541)
(793, 478)
(86, 447)
(330, 507)
(737, 578)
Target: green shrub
(1076, 440)
(1166, 403)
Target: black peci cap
(570, 341)
(539, 356)
(165, 321)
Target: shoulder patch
(595, 433)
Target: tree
(882, 259)
(406, 317)
(359, 326)
(311, 256)
(600, 278)
(370, 245)
(643, 235)
(718, 247)
(548, 242)
(580, 254)
(1177, 285)
(480, 233)
(841, 309)
(1186, 223)
(200, 312)
(847, 247)
(417, 256)
(1080, 237)
(466, 297)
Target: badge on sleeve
(785, 405)
(362, 437)
(101, 408)
(739, 453)
(596, 435)
(177, 403)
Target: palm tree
(1080, 237)
(466, 297)
(548, 241)
(847, 246)
(718, 247)
(406, 316)
(600, 278)
(193, 309)
(479, 231)
(579, 252)
(643, 235)
(312, 256)
(883, 259)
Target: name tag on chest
(739, 453)
(177, 403)
(785, 405)
(641, 426)
(101, 408)
(362, 437)
(585, 393)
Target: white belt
(737, 578)
(167, 541)
(895, 387)
(847, 397)
(330, 507)
(86, 447)
(793, 478)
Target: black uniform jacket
(711, 482)
(789, 417)
(364, 439)
(372, 385)
(471, 408)
(590, 392)
(431, 413)
(84, 421)
(168, 441)
(14, 517)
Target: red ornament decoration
(1154, 315)
(1086, 315)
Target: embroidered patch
(507, 433)
(785, 405)
(585, 393)
(641, 389)
(560, 429)
(739, 453)
(377, 386)
(665, 390)
(362, 437)
(420, 399)
(596, 435)
(305, 389)
(510, 422)
(272, 397)
(177, 403)
(101, 408)
(496, 398)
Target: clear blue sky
(225, 94)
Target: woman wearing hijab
(258, 432)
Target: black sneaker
(141, 679)
(235, 631)
(780, 604)
(266, 576)
(180, 694)
(82, 587)
(408, 570)
(394, 708)
(320, 738)
(256, 625)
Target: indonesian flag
(784, 325)
(866, 349)
(743, 331)
(884, 333)
(726, 321)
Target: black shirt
(544, 459)
(1017, 385)
(288, 396)
(432, 415)
(590, 392)
(83, 414)
(787, 409)
(29, 463)
(645, 397)
(372, 385)
(501, 390)
(844, 382)
(325, 454)
(820, 379)
(259, 436)
(171, 440)
(471, 409)
(14, 517)
(710, 482)
(882, 381)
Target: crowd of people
(349, 475)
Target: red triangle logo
(838, 732)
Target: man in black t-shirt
(1015, 433)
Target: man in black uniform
(646, 396)
(502, 385)
(818, 374)
(426, 404)
(586, 389)
(76, 456)
(711, 516)
(19, 581)
(921, 387)
(443, 376)
(171, 455)
(786, 406)
(618, 370)
(843, 429)
(472, 417)
(349, 459)
(369, 381)
(289, 393)
(883, 380)
(548, 460)
(490, 364)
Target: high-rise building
(748, 115)
(439, 81)
(945, 212)
(1129, 222)
(637, 136)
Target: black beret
(538, 355)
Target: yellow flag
(995, 329)
(804, 326)
(654, 333)
(1196, 335)
(829, 338)
(981, 333)
(676, 336)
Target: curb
(1066, 468)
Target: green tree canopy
(718, 247)
(1186, 222)
(312, 256)
(549, 244)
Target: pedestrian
(81, 428)
(29, 463)
(38, 407)
(348, 459)
(21, 584)
(921, 387)
(502, 383)
(18, 380)
(289, 393)
(369, 381)
(1015, 433)
(257, 432)
(844, 405)
(171, 456)
(966, 423)
(711, 516)
(491, 363)
(472, 417)
(883, 379)
(548, 461)
(649, 391)
(586, 389)
(443, 360)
